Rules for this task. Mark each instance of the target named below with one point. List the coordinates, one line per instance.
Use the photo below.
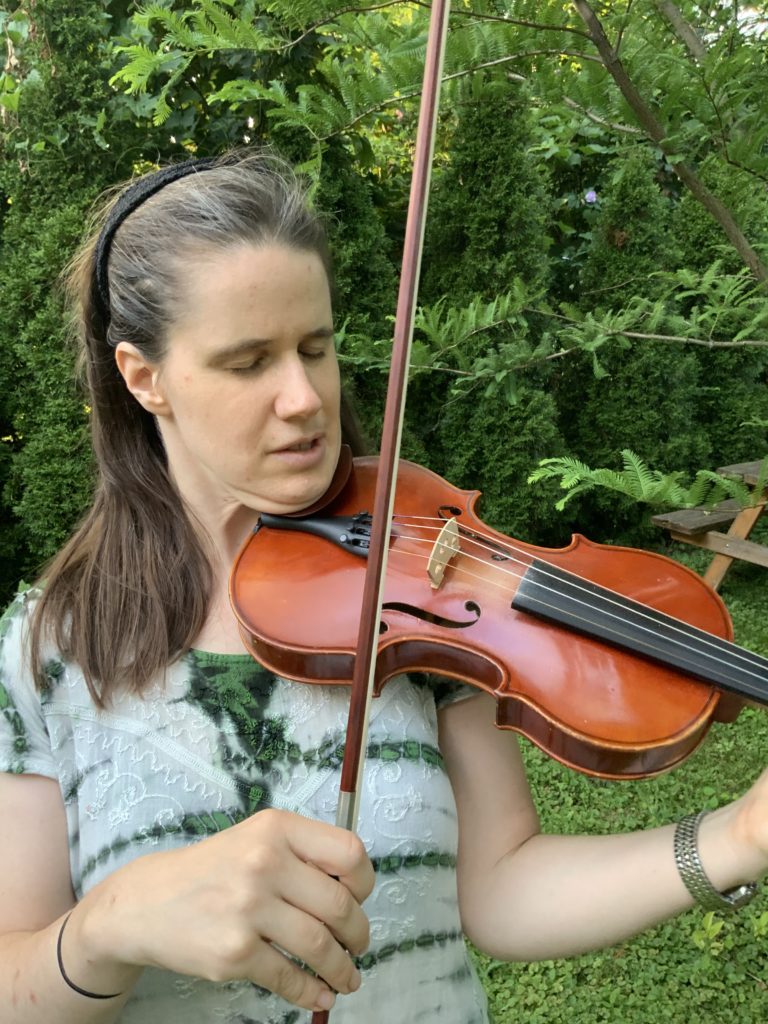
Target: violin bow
(373, 589)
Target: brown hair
(129, 592)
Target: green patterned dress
(222, 739)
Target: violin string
(683, 628)
(705, 639)
(733, 650)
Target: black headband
(132, 198)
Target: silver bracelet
(695, 878)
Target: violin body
(595, 706)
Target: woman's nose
(297, 395)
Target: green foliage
(576, 152)
(487, 447)
(351, 81)
(647, 486)
(732, 404)
(715, 304)
(57, 150)
(465, 344)
(15, 27)
(735, 392)
(489, 208)
(365, 284)
(631, 239)
(183, 36)
(635, 387)
(364, 264)
(701, 240)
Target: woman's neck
(220, 633)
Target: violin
(613, 660)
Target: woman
(170, 857)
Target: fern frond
(554, 468)
(642, 484)
(729, 486)
(228, 31)
(448, 328)
(762, 479)
(299, 14)
(143, 64)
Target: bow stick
(373, 588)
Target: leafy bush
(490, 206)
(57, 155)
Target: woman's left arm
(528, 896)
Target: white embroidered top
(223, 739)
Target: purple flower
(590, 197)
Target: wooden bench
(702, 527)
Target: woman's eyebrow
(320, 332)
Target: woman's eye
(247, 367)
(310, 354)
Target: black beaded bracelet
(72, 985)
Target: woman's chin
(290, 502)
(288, 493)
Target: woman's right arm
(222, 909)
(35, 895)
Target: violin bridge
(446, 547)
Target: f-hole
(472, 608)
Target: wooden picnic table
(701, 526)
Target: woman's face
(249, 387)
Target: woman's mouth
(303, 454)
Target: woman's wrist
(695, 878)
(88, 957)
(729, 854)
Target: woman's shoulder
(17, 633)
(24, 745)
(15, 620)
(25, 594)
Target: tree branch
(654, 130)
(596, 119)
(677, 338)
(745, 343)
(625, 22)
(689, 36)
(685, 32)
(456, 74)
(423, 3)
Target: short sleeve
(25, 748)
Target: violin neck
(584, 607)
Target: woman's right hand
(237, 905)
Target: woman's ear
(141, 377)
